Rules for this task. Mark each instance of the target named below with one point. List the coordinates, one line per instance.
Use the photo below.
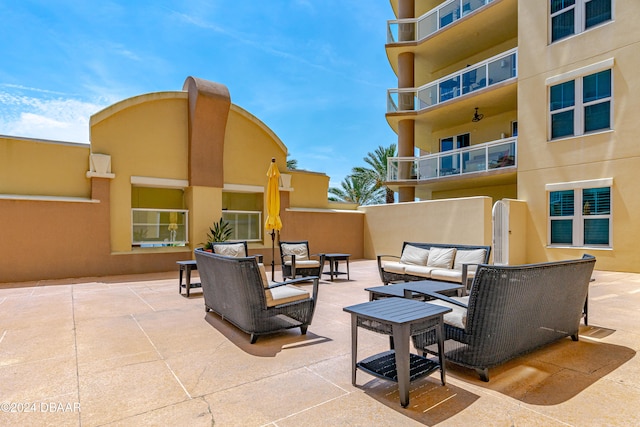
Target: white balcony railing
(246, 225)
(416, 29)
(484, 74)
(159, 227)
(485, 157)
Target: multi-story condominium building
(529, 100)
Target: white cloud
(61, 119)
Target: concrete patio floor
(131, 351)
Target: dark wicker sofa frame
(513, 310)
(233, 288)
(388, 277)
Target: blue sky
(314, 71)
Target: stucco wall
(43, 168)
(310, 189)
(462, 221)
(146, 136)
(608, 154)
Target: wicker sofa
(238, 290)
(512, 310)
(434, 261)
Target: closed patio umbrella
(273, 222)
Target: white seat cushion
(448, 275)
(441, 257)
(310, 263)
(235, 250)
(418, 270)
(414, 255)
(297, 249)
(285, 294)
(457, 317)
(393, 267)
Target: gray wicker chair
(297, 261)
(512, 310)
(237, 290)
(236, 249)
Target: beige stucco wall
(146, 136)
(461, 221)
(609, 154)
(249, 147)
(310, 189)
(43, 168)
(495, 192)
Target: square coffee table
(397, 289)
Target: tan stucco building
(526, 100)
(161, 168)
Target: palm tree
(378, 171)
(292, 164)
(358, 189)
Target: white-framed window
(580, 216)
(570, 17)
(582, 105)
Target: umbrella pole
(273, 255)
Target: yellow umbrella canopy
(273, 221)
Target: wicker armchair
(237, 289)
(296, 260)
(234, 249)
(512, 310)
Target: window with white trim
(580, 217)
(581, 106)
(570, 17)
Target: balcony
(485, 74)
(416, 29)
(490, 157)
(452, 37)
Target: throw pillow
(235, 250)
(473, 256)
(414, 255)
(297, 249)
(441, 257)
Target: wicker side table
(400, 318)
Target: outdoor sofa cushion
(458, 316)
(297, 249)
(233, 250)
(414, 255)
(441, 257)
(281, 294)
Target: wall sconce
(477, 117)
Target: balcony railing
(474, 77)
(485, 157)
(246, 225)
(159, 227)
(416, 29)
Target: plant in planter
(220, 232)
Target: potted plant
(220, 232)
